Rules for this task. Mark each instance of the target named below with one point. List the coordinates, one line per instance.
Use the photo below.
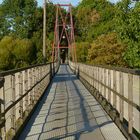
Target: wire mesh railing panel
(119, 87)
(20, 90)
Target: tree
(24, 52)
(106, 50)
(37, 35)
(82, 51)
(94, 18)
(22, 21)
(20, 14)
(16, 53)
(128, 27)
(7, 59)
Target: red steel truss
(61, 21)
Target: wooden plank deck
(69, 112)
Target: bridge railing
(118, 86)
(20, 90)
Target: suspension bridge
(68, 100)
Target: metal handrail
(10, 72)
(125, 70)
(115, 92)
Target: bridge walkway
(68, 111)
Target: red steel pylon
(64, 25)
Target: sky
(73, 2)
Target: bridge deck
(69, 112)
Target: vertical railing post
(2, 108)
(53, 69)
(114, 87)
(33, 83)
(20, 79)
(98, 78)
(13, 110)
(25, 90)
(78, 71)
(39, 77)
(30, 85)
(104, 83)
(50, 71)
(102, 79)
(99, 75)
(92, 76)
(109, 85)
(130, 107)
(122, 94)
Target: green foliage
(21, 33)
(7, 58)
(82, 51)
(24, 52)
(20, 15)
(105, 33)
(94, 18)
(128, 27)
(38, 36)
(15, 53)
(106, 50)
(95, 22)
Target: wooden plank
(92, 76)
(114, 87)
(130, 107)
(30, 85)
(102, 79)
(51, 71)
(33, 83)
(26, 81)
(98, 79)
(40, 74)
(122, 94)
(109, 84)
(13, 109)
(21, 93)
(2, 108)
(104, 83)
(37, 88)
